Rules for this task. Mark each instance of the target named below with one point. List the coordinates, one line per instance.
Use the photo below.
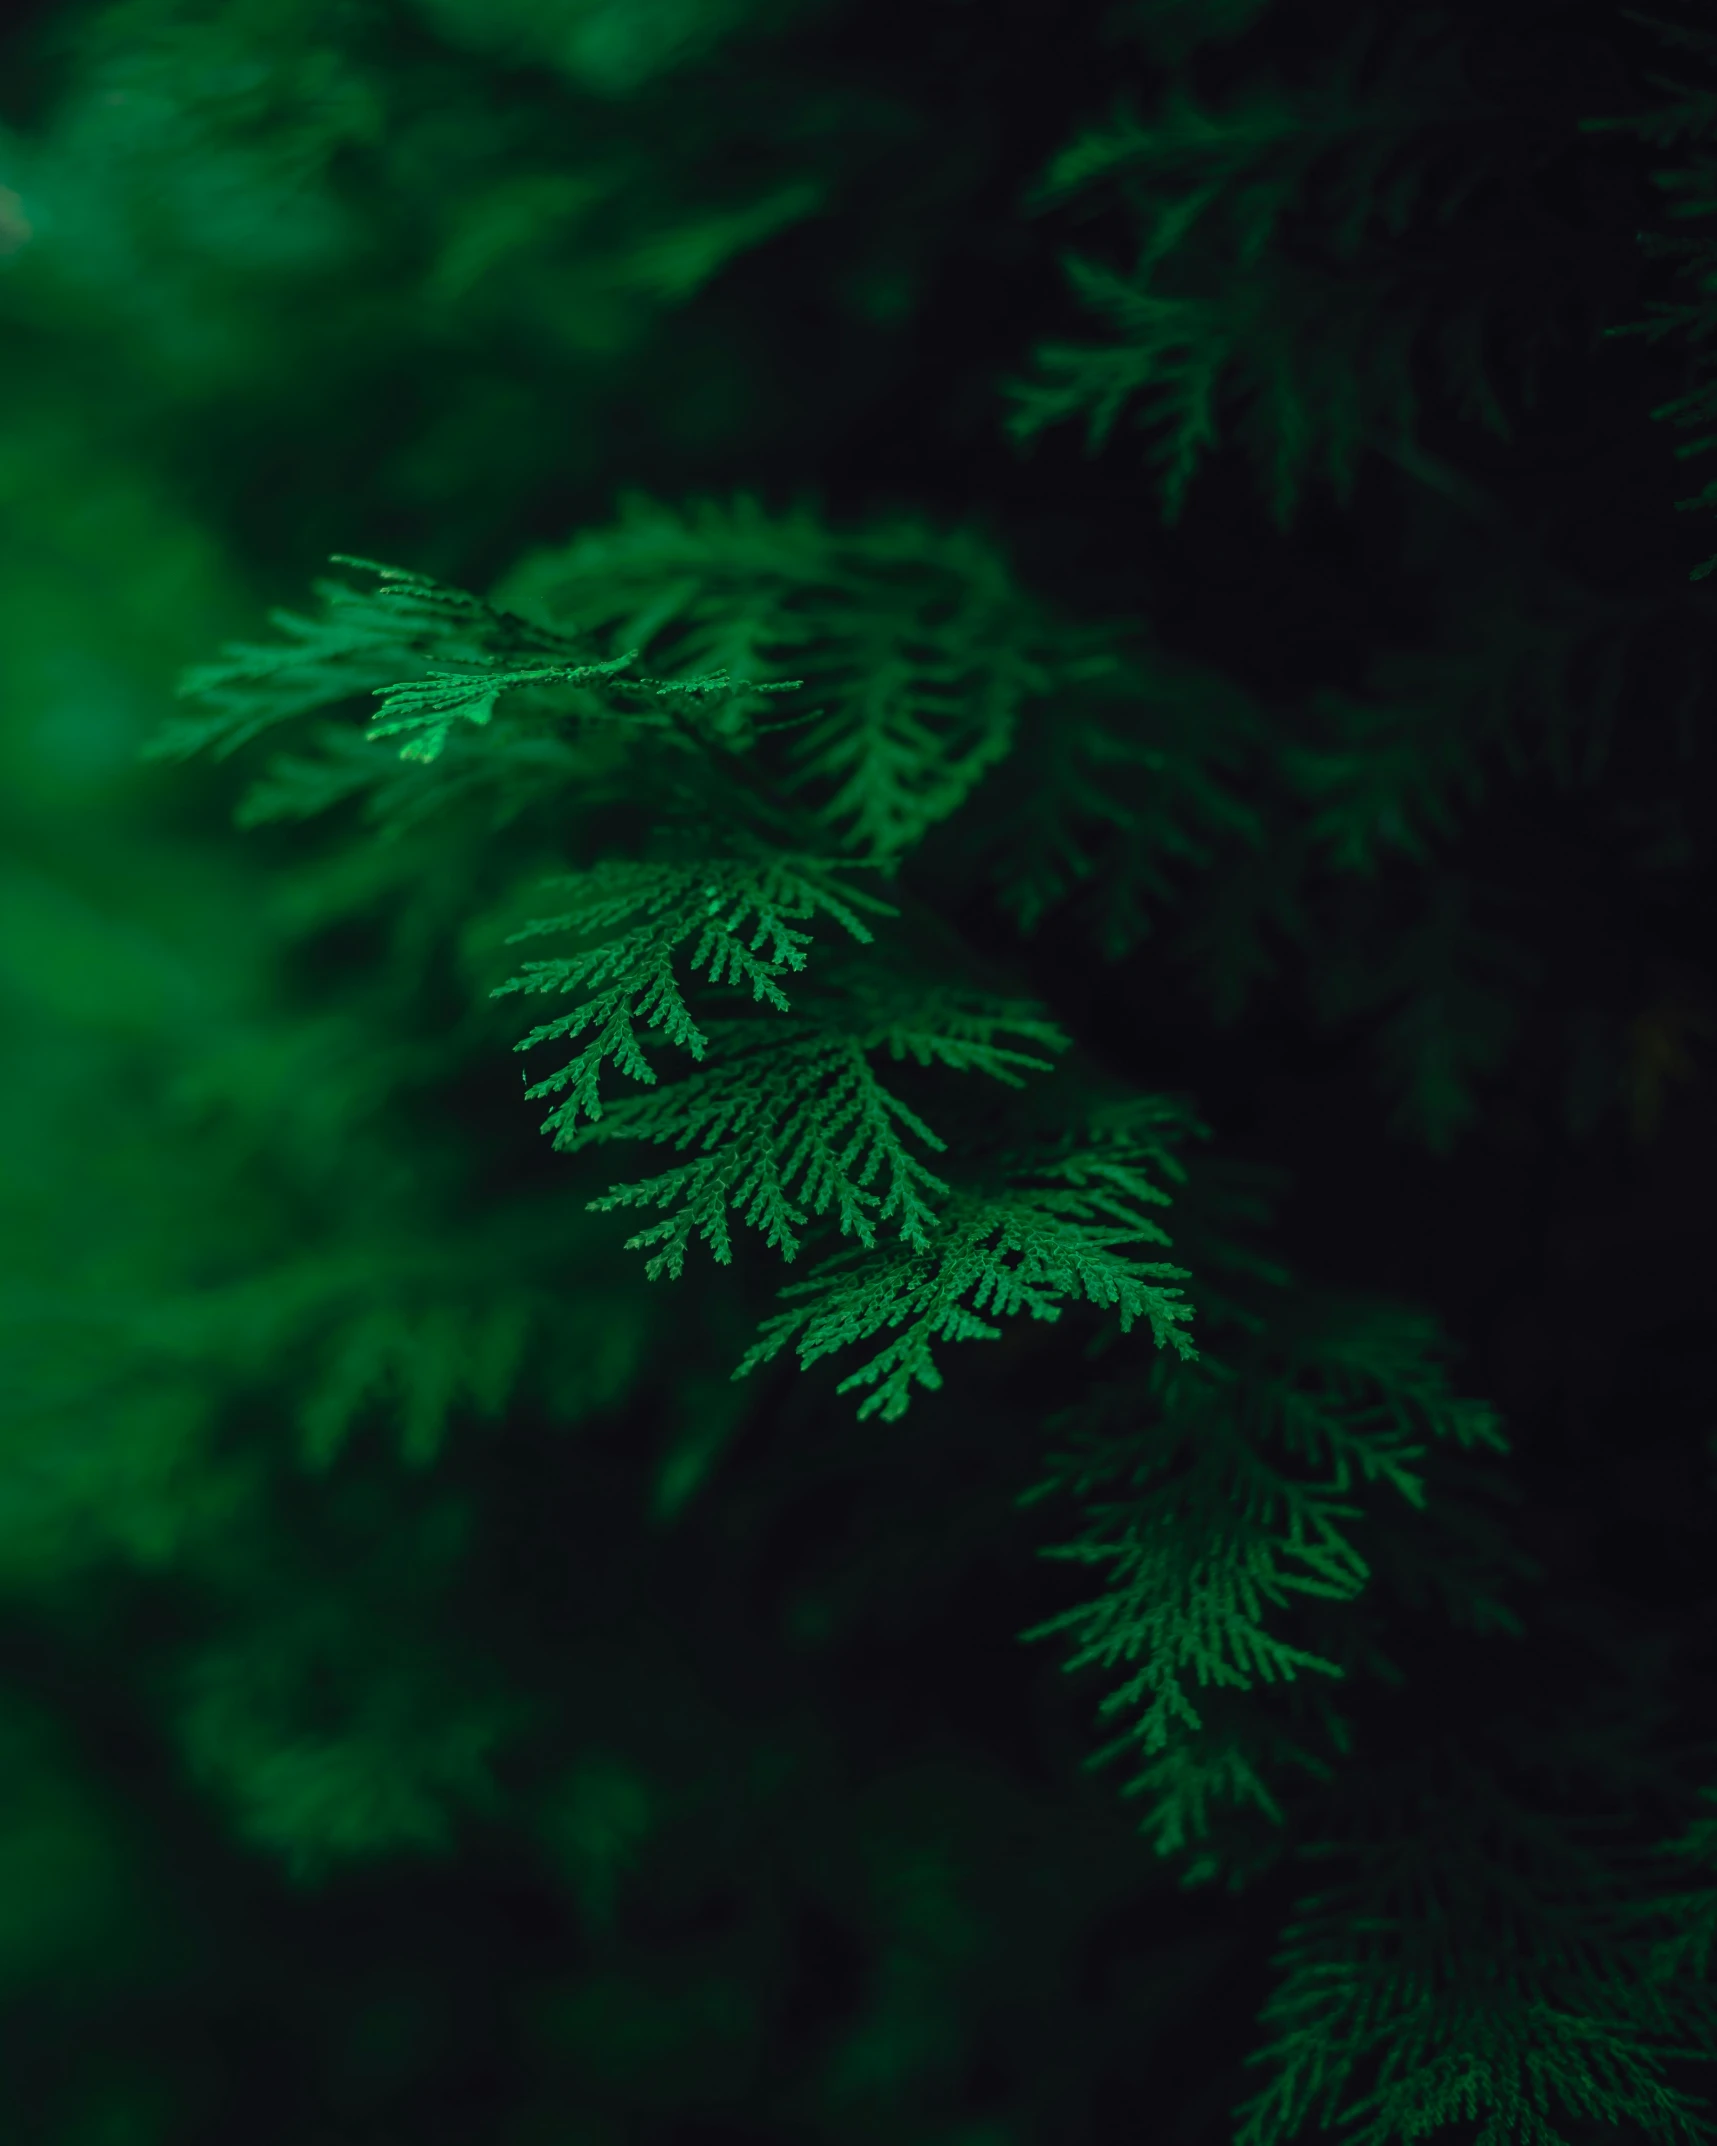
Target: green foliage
(360, 646)
(360, 1507)
(920, 638)
(329, 1755)
(709, 900)
(1221, 1496)
(801, 1108)
(194, 186)
(1269, 233)
(790, 1119)
(1052, 1231)
(1687, 1915)
(1482, 1961)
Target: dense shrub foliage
(1029, 675)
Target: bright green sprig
(792, 1121)
(1058, 1233)
(741, 918)
(363, 643)
(428, 708)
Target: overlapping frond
(741, 918)
(918, 643)
(1221, 1496)
(366, 641)
(792, 1120)
(1060, 1228)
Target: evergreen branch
(1198, 1562)
(1251, 277)
(1481, 1964)
(1321, 366)
(1371, 122)
(428, 708)
(710, 902)
(804, 1112)
(1218, 1494)
(364, 642)
(454, 646)
(1190, 1791)
(1028, 1247)
(792, 1121)
(1689, 1913)
(919, 642)
(956, 1029)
